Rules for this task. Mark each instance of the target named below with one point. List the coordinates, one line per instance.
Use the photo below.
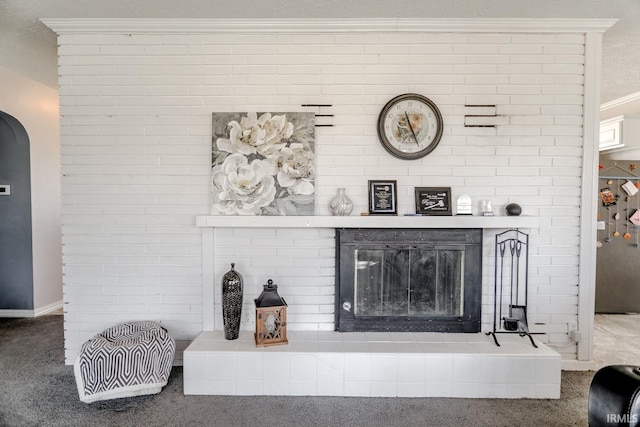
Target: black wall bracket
(325, 119)
(481, 116)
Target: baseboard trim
(47, 309)
(578, 365)
(16, 313)
(39, 311)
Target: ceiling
(29, 48)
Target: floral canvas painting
(263, 164)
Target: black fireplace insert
(410, 280)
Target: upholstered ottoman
(130, 359)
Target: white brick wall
(136, 135)
(300, 262)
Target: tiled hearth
(373, 364)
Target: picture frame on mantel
(433, 201)
(383, 197)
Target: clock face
(410, 126)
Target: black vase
(231, 303)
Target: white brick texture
(136, 139)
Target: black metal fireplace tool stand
(511, 285)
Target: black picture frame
(383, 197)
(433, 201)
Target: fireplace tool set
(511, 285)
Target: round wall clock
(410, 126)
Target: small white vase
(341, 204)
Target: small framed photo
(433, 200)
(383, 198)
(607, 197)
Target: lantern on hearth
(271, 317)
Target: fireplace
(412, 280)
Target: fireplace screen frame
(350, 240)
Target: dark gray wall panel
(16, 258)
(618, 263)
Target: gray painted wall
(16, 259)
(618, 260)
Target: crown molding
(619, 102)
(252, 26)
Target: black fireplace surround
(408, 280)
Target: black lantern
(271, 317)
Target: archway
(16, 256)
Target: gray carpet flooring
(37, 389)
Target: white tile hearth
(373, 364)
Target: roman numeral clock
(410, 126)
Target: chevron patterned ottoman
(130, 359)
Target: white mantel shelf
(503, 222)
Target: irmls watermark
(623, 418)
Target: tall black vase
(231, 303)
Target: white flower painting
(263, 164)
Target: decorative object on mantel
(410, 126)
(511, 285)
(486, 208)
(271, 317)
(383, 197)
(232, 284)
(463, 205)
(263, 164)
(433, 200)
(341, 204)
(513, 209)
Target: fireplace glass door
(414, 285)
(406, 282)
